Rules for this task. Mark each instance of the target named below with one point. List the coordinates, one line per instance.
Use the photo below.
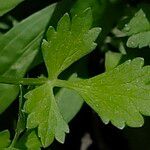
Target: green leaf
(4, 26)
(68, 101)
(139, 40)
(139, 30)
(4, 139)
(112, 59)
(33, 141)
(44, 114)
(139, 23)
(70, 42)
(7, 5)
(18, 48)
(29, 141)
(120, 95)
(65, 97)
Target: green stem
(63, 83)
(20, 127)
(23, 81)
(36, 81)
(14, 141)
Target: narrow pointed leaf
(18, 48)
(7, 5)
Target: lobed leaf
(120, 95)
(71, 41)
(139, 30)
(44, 114)
(139, 40)
(33, 141)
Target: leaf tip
(64, 18)
(50, 32)
(64, 23)
(98, 31)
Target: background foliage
(23, 24)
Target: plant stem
(63, 83)
(20, 127)
(23, 81)
(36, 81)
(14, 141)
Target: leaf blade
(4, 139)
(65, 97)
(44, 114)
(140, 40)
(73, 38)
(6, 6)
(139, 30)
(29, 140)
(120, 100)
(16, 54)
(134, 26)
